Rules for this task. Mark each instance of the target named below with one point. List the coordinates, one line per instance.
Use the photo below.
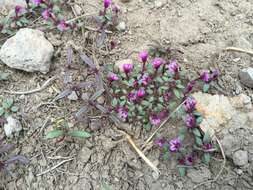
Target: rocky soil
(200, 29)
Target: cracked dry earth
(199, 28)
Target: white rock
(246, 77)
(240, 158)
(73, 96)
(12, 126)
(121, 27)
(28, 50)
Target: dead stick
(54, 167)
(162, 124)
(250, 52)
(130, 140)
(221, 170)
(45, 85)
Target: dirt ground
(201, 29)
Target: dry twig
(45, 85)
(54, 167)
(161, 125)
(140, 153)
(250, 52)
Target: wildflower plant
(108, 18)
(7, 108)
(49, 10)
(62, 130)
(144, 94)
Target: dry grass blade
(161, 125)
(54, 167)
(140, 153)
(250, 52)
(45, 85)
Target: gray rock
(73, 96)
(121, 27)
(84, 154)
(28, 50)
(12, 126)
(199, 175)
(240, 158)
(246, 77)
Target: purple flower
(132, 96)
(112, 77)
(167, 96)
(175, 144)
(46, 14)
(107, 3)
(37, 2)
(122, 113)
(18, 9)
(143, 56)
(190, 104)
(62, 26)
(189, 160)
(140, 93)
(215, 74)
(163, 114)
(154, 119)
(173, 66)
(145, 79)
(190, 121)
(204, 76)
(207, 147)
(157, 62)
(160, 142)
(128, 67)
(190, 86)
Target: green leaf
(14, 109)
(54, 134)
(177, 93)
(1, 111)
(149, 91)
(80, 134)
(183, 130)
(56, 9)
(196, 132)
(206, 158)
(7, 103)
(166, 155)
(181, 171)
(114, 102)
(207, 137)
(198, 141)
(105, 186)
(147, 126)
(199, 120)
(206, 87)
(181, 136)
(4, 76)
(122, 103)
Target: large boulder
(28, 50)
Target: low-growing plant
(62, 130)
(49, 10)
(7, 108)
(108, 18)
(145, 94)
(7, 161)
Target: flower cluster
(49, 10)
(108, 17)
(187, 157)
(146, 92)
